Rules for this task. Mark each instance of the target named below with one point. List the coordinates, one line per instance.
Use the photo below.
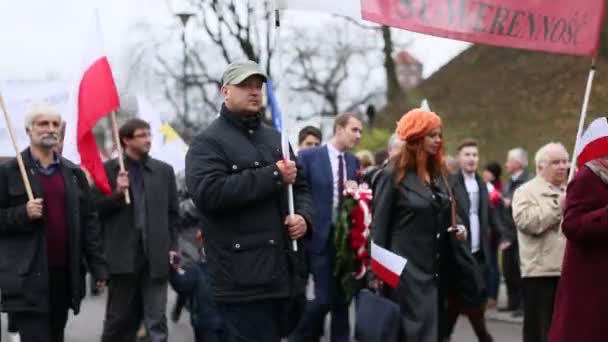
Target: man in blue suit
(327, 168)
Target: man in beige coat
(537, 212)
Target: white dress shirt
(516, 175)
(333, 160)
(472, 186)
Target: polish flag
(94, 96)
(386, 265)
(593, 143)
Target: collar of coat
(31, 163)
(243, 120)
(146, 162)
(547, 189)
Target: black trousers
(474, 311)
(47, 327)
(11, 327)
(512, 273)
(258, 321)
(131, 298)
(539, 296)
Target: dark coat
(463, 205)
(204, 315)
(412, 221)
(581, 304)
(120, 236)
(233, 179)
(23, 246)
(510, 232)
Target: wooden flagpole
(121, 162)
(9, 126)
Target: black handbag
(378, 318)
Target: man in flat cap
(238, 180)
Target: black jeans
(47, 327)
(539, 296)
(258, 321)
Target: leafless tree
(393, 87)
(332, 66)
(220, 32)
(328, 67)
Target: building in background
(408, 69)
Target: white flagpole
(285, 146)
(581, 122)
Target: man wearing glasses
(140, 238)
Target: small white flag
(425, 105)
(387, 265)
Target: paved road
(87, 326)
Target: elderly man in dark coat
(46, 241)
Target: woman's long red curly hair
(413, 157)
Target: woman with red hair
(413, 218)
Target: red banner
(558, 26)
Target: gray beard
(49, 142)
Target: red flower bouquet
(351, 236)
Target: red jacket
(581, 305)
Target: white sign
(167, 145)
(19, 97)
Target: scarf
(599, 170)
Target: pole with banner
(581, 122)
(277, 119)
(121, 162)
(559, 26)
(9, 126)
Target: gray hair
(37, 110)
(541, 155)
(520, 155)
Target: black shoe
(518, 313)
(506, 309)
(176, 314)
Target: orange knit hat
(416, 123)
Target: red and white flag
(593, 143)
(95, 96)
(386, 265)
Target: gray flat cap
(238, 72)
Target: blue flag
(277, 117)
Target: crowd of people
(239, 252)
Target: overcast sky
(41, 39)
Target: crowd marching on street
(241, 233)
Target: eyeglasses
(142, 135)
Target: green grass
(375, 139)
